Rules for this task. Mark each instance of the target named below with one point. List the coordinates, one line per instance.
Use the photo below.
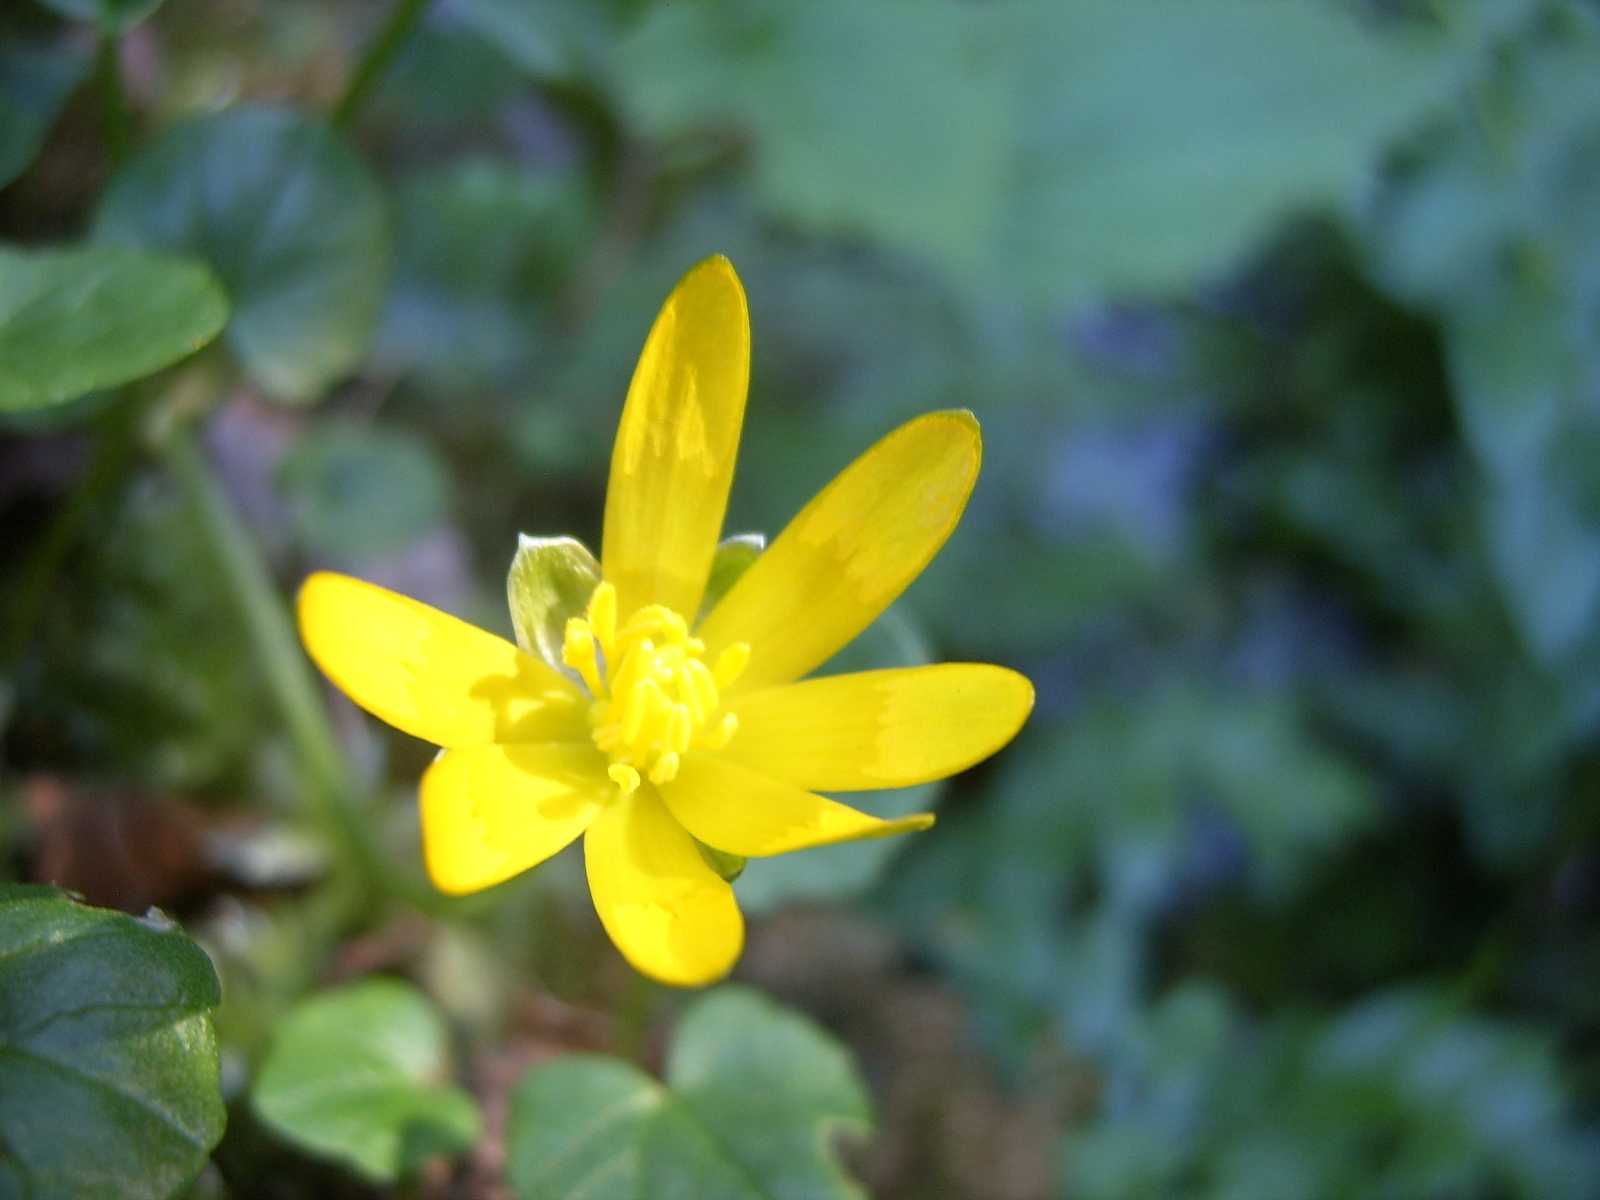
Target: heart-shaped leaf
(108, 1061)
(359, 1074)
(93, 317)
(752, 1093)
(289, 219)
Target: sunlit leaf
(359, 1074)
(1158, 142)
(882, 118)
(752, 1097)
(288, 218)
(108, 1062)
(1051, 148)
(75, 320)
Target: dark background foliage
(1282, 321)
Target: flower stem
(113, 99)
(632, 1019)
(277, 651)
(380, 54)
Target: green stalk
(376, 61)
(283, 665)
(632, 1019)
(113, 99)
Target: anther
(577, 651)
(603, 617)
(723, 733)
(665, 768)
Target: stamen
(603, 617)
(731, 663)
(665, 769)
(703, 688)
(655, 696)
(723, 733)
(577, 651)
(679, 729)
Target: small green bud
(732, 559)
(729, 866)
(551, 579)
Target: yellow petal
(426, 672)
(673, 461)
(744, 812)
(851, 551)
(879, 729)
(671, 915)
(492, 812)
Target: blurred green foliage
(1283, 325)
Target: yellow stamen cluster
(654, 697)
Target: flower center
(654, 696)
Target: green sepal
(732, 559)
(729, 866)
(550, 581)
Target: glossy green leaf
(752, 1098)
(35, 80)
(549, 583)
(360, 1074)
(108, 1062)
(114, 16)
(289, 219)
(363, 490)
(75, 320)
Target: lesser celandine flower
(654, 731)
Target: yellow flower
(678, 732)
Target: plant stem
(113, 99)
(380, 54)
(632, 1019)
(277, 651)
